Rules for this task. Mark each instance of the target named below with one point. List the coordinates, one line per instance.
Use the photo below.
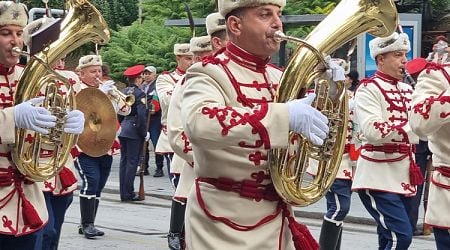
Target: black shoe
(80, 229)
(89, 231)
(174, 241)
(98, 232)
(158, 173)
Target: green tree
(150, 42)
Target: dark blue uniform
(132, 136)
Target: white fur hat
(226, 6)
(200, 44)
(215, 22)
(12, 13)
(394, 42)
(89, 60)
(182, 49)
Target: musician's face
(253, 30)
(184, 62)
(10, 37)
(393, 63)
(91, 75)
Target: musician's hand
(107, 87)
(307, 120)
(335, 72)
(351, 104)
(74, 123)
(38, 119)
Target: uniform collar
(180, 71)
(385, 77)
(6, 71)
(243, 58)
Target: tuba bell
(287, 166)
(82, 24)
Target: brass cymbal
(100, 122)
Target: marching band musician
(94, 171)
(200, 47)
(133, 134)
(386, 174)
(58, 190)
(165, 83)
(23, 209)
(228, 115)
(429, 119)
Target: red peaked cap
(134, 71)
(416, 65)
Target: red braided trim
(445, 171)
(227, 221)
(387, 148)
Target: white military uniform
(429, 118)
(381, 107)
(165, 83)
(228, 115)
(22, 204)
(180, 143)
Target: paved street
(144, 225)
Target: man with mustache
(386, 174)
(228, 114)
(23, 207)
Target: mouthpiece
(279, 36)
(16, 51)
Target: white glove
(307, 120)
(147, 136)
(74, 123)
(335, 71)
(107, 87)
(38, 119)
(351, 104)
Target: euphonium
(82, 24)
(288, 166)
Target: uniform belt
(388, 148)
(445, 171)
(246, 188)
(12, 175)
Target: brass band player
(22, 206)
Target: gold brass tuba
(287, 166)
(82, 24)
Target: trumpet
(116, 95)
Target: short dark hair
(221, 34)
